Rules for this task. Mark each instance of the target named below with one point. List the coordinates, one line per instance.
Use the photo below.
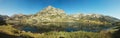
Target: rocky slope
(96, 17)
(52, 14)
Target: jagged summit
(50, 7)
(50, 10)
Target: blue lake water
(70, 29)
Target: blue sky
(105, 7)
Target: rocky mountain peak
(49, 8)
(51, 11)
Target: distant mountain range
(52, 14)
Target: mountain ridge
(52, 14)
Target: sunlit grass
(53, 34)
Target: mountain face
(48, 14)
(52, 14)
(51, 11)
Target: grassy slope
(12, 32)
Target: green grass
(53, 34)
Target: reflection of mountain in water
(66, 26)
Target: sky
(105, 7)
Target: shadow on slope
(3, 35)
